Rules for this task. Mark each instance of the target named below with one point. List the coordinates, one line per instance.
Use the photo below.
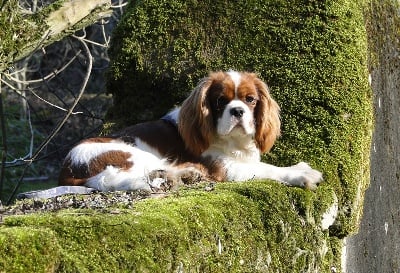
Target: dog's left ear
(268, 124)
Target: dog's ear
(195, 119)
(266, 117)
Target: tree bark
(376, 248)
(22, 33)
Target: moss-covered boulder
(313, 56)
(241, 227)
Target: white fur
(244, 165)
(233, 146)
(112, 178)
(236, 78)
(174, 114)
(228, 122)
(84, 152)
(237, 149)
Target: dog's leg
(300, 175)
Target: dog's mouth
(239, 127)
(238, 130)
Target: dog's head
(229, 104)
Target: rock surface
(99, 201)
(376, 248)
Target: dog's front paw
(172, 178)
(159, 181)
(190, 176)
(302, 175)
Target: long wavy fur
(195, 119)
(196, 125)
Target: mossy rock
(312, 54)
(28, 249)
(257, 226)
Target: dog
(218, 134)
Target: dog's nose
(237, 112)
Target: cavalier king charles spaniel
(217, 134)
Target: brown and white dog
(219, 132)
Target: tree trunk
(376, 248)
(22, 32)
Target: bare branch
(52, 104)
(71, 13)
(71, 110)
(31, 159)
(51, 79)
(47, 77)
(3, 142)
(27, 33)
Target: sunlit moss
(28, 249)
(16, 32)
(313, 55)
(238, 227)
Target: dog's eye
(251, 99)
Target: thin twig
(53, 105)
(105, 38)
(28, 110)
(93, 43)
(71, 110)
(3, 142)
(11, 87)
(17, 160)
(119, 6)
(47, 77)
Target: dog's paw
(170, 179)
(190, 176)
(161, 181)
(302, 175)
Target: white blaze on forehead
(236, 78)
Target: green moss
(241, 227)
(22, 33)
(28, 249)
(313, 55)
(14, 35)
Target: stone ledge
(258, 226)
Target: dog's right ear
(195, 122)
(268, 124)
